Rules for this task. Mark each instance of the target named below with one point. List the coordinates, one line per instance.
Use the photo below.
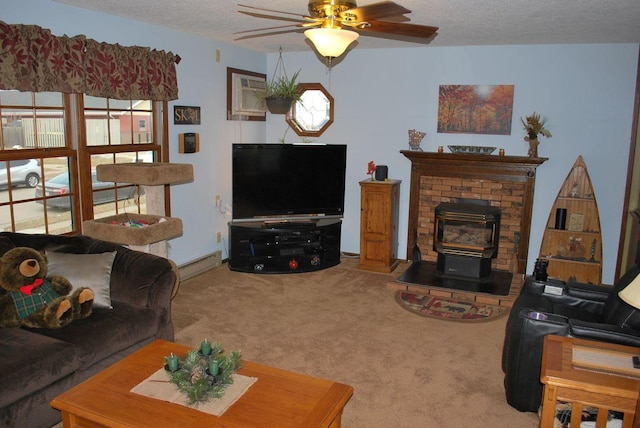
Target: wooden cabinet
(379, 206)
(573, 247)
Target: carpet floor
(344, 324)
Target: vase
(415, 138)
(279, 105)
(533, 147)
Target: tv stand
(288, 224)
(284, 247)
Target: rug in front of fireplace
(448, 309)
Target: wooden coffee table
(278, 398)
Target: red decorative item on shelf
(293, 264)
(371, 169)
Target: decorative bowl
(478, 150)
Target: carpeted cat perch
(152, 238)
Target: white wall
(586, 91)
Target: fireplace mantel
(507, 180)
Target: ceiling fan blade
(273, 33)
(398, 28)
(270, 10)
(279, 18)
(374, 11)
(397, 18)
(268, 28)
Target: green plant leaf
(284, 88)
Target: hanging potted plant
(282, 93)
(534, 125)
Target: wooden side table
(588, 373)
(379, 214)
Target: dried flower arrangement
(534, 125)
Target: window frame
(78, 154)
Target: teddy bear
(32, 299)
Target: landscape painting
(475, 109)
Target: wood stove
(466, 238)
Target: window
(312, 114)
(67, 133)
(117, 132)
(48, 158)
(34, 146)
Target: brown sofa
(38, 364)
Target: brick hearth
(507, 301)
(506, 182)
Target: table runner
(159, 387)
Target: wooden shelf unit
(576, 250)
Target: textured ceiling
(461, 22)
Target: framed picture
(186, 115)
(576, 222)
(246, 92)
(475, 109)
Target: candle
(213, 367)
(501, 152)
(172, 362)
(205, 347)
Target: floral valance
(32, 59)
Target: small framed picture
(186, 115)
(576, 222)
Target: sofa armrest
(145, 280)
(522, 355)
(604, 332)
(142, 279)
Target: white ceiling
(461, 22)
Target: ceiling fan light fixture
(331, 42)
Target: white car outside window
(23, 172)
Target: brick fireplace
(506, 182)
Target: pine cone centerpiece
(193, 379)
(197, 373)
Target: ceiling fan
(332, 25)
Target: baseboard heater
(196, 267)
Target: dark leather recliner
(584, 311)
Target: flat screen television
(288, 181)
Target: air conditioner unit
(248, 95)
